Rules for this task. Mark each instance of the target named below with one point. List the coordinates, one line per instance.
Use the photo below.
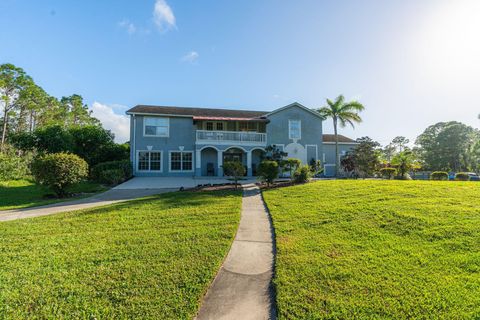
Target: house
(177, 141)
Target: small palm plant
(342, 113)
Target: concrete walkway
(242, 288)
(102, 199)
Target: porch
(210, 159)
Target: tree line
(25, 106)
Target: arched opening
(235, 154)
(209, 163)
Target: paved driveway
(173, 182)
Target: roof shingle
(198, 112)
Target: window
(149, 161)
(156, 126)
(247, 126)
(214, 125)
(294, 129)
(181, 161)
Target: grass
(145, 259)
(15, 194)
(377, 250)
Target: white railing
(240, 137)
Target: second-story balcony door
(215, 126)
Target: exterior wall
(328, 156)
(309, 145)
(181, 134)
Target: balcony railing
(238, 137)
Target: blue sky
(412, 63)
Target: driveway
(173, 182)
(102, 199)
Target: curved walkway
(242, 288)
(109, 197)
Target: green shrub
(388, 173)
(59, 171)
(268, 171)
(234, 169)
(112, 176)
(439, 175)
(462, 176)
(302, 174)
(13, 166)
(290, 165)
(123, 171)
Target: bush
(234, 169)
(112, 172)
(291, 165)
(13, 166)
(302, 174)
(388, 173)
(111, 176)
(59, 171)
(439, 175)
(462, 176)
(268, 171)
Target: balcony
(243, 138)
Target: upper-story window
(214, 125)
(294, 129)
(247, 126)
(156, 126)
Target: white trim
(209, 146)
(149, 151)
(340, 142)
(257, 148)
(295, 104)
(228, 143)
(316, 150)
(329, 165)
(238, 147)
(299, 129)
(181, 161)
(133, 145)
(154, 135)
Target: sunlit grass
(144, 259)
(377, 250)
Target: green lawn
(377, 250)
(15, 194)
(145, 259)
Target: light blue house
(177, 141)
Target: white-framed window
(215, 125)
(149, 161)
(156, 126)
(247, 126)
(294, 129)
(181, 161)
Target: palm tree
(344, 113)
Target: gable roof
(342, 139)
(200, 113)
(296, 104)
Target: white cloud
(119, 124)
(191, 57)
(128, 26)
(163, 16)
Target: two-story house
(177, 141)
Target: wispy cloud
(191, 57)
(163, 16)
(119, 124)
(128, 26)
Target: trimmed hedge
(268, 171)
(388, 173)
(112, 172)
(59, 170)
(302, 174)
(462, 176)
(439, 175)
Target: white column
(220, 163)
(249, 164)
(199, 159)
